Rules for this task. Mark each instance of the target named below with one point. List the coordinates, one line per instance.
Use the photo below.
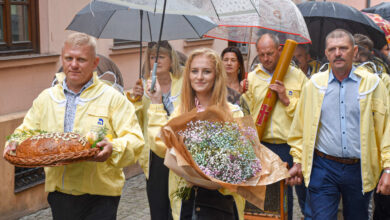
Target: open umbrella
(281, 18)
(109, 20)
(214, 8)
(382, 9)
(382, 23)
(324, 17)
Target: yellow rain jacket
(98, 105)
(142, 107)
(279, 123)
(374, 121)
(368, 66)
(157, 119)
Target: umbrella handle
(153, 77)
(132, 98)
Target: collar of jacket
(368, 82)
(92, 92)
(263, 75)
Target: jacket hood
(89, 94)
(368, 82)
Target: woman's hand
(137, 93)
(156, 95)
(244, 84)
(138, 89)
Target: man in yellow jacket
(278, 125)
(82, 102)
(338, 136)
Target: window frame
(25, 47)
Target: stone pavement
(133, 204)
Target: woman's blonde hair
(165, 48)
(219, 90)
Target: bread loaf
(51, 144)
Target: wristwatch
(386, 171)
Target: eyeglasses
(163, 43)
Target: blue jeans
(283, 151)
(329, 181)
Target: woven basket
(52, 160)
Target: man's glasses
(163, 43)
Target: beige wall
(16, 205)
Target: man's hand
(296, 176)
(105, 153)
(279, 88)
(384, 184)
(11, 147)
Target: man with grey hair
(80, 103)
(288, 91)
(338, 138)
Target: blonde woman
(169, 78)
(204, 84)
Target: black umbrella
(323, 17)
(382, 9)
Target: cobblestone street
(133, 204)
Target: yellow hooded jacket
(98, 105)
(157, 119)
(374, 123)
(142, 107)
(279, 123)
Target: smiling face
(78, 63)
(230, 61)
(202, 75)
(340, 53)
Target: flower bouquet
(212, 150)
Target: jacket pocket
(98, 116)
(378, 107)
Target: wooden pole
(270, 98)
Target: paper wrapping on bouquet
(180, 161)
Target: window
(28, 177)
(18, 26)
(243, 47)
(120, 43)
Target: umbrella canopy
(281, 18)
(106, 20)
(382, 23)
(382, 9)
(324, 17)
(212, 8)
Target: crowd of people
(329, 125)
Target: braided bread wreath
(51, 149)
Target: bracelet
(386, 171)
